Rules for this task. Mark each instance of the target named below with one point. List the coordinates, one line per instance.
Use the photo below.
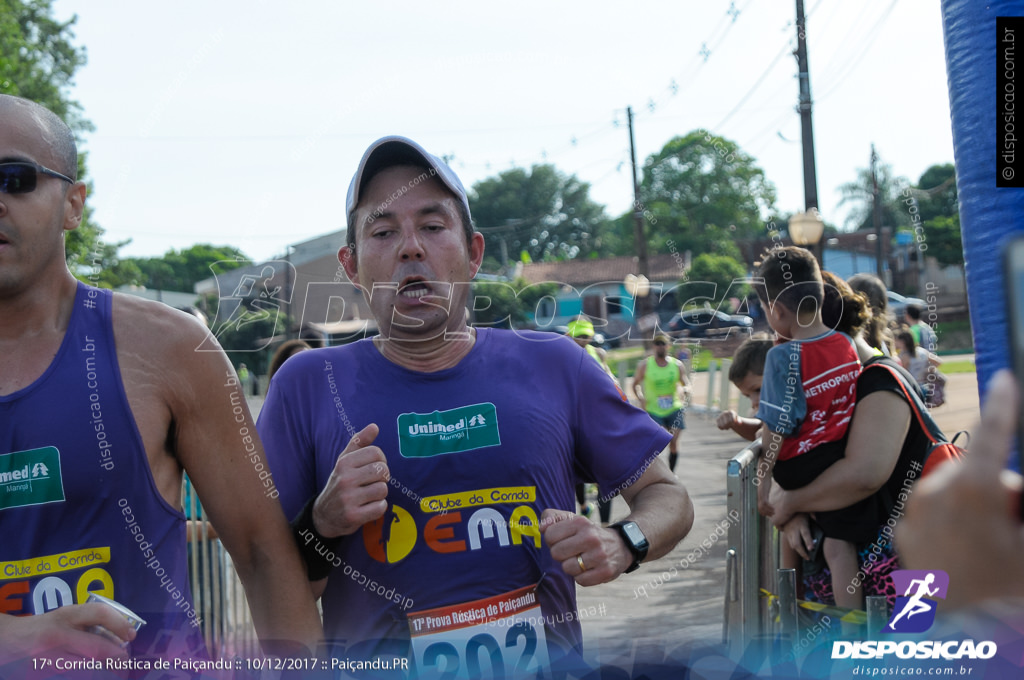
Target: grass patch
(960, 366)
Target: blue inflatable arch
(988, 214)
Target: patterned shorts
(876, 561)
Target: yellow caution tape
(842, 613)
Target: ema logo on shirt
(421, 435)
(446, 531)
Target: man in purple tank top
(104, 400)
(431, 469)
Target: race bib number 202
(496, 637)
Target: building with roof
(307, 285)
(597, 288)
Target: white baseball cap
(395, 150)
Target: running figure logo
(915, 610)
(390, 538)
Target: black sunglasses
(20, 177)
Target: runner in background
(657, 384)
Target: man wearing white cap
(431, 469)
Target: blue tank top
(79, 509)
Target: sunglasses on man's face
(20, 177)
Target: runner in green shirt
(658, 378)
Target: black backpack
(940, 449)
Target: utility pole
(806, 129)
(876, 213)
(640, 306)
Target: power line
(715, 40)
(783, 52)
(839, 51)
(852, 64)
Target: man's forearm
(280, 599)
(664, 512)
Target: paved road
(650, 612)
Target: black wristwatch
(635, 541)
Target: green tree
(936, 192)
(933, 210)
(940, 210)
(944, 239)
(110, 270)
(181, 270)
(507, 305)
(703, 193)
(710, 276)
(859, 195)
(247, 336)
(618, 237)
(38, 61)
(541, 212)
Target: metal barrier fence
(217, 593)
(760, 598)
(751, 557)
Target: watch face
(636, 537)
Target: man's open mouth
(414, 287)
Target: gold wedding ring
(579, 561)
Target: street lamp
(806, 229)
(639, 287)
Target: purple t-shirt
(476, 453)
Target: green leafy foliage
(940, 211)
(936, 195)
(704, 193)
(540, 213)
(711, 275)
(944, 239)
(507, 305)
(246, 337)
(181, 270)
(859, 194)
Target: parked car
(898, 303)
(700, 323)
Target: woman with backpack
(888, 446)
